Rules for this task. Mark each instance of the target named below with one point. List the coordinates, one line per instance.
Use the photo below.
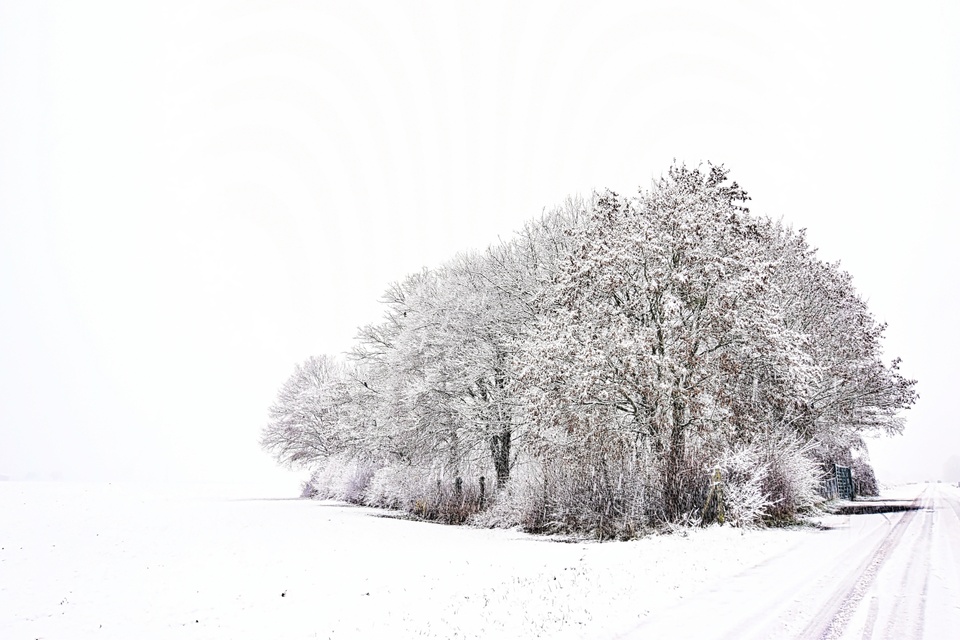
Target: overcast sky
(195, 196)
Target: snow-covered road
(869, 576)
(112, 561)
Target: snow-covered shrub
(564, 502)
(774, 479)
(864, 479)
(736, 492)
(596, 493)
(457, 501)
(792, 477)
(425, 493)
(308, 488)
(527, 501)
(343, 478)
(513, 505)
(393, 487)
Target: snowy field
(122, 561)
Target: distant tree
(310, 419)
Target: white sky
(196, 196)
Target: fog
(195, 196)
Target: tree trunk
(500, 443)
(500, 449)
(673, 470)
(673, 484)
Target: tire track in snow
(890, 576)
(871, 618)
(831, 621)
(953, 505)
(942, 614)
(907, 615)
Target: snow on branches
(622, 353)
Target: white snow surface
(129, 561)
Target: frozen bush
(865, 481)
(308, 488)
(792, 477)
(518, 504)
(397, 487)
(600, 496)
(343, 478)
(772, 479)
(426, 494)
(736, 493)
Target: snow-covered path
(99, 561)
(870, 576)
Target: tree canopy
(625, 354)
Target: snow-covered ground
(893, 575)
(124, 561)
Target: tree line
(619, 363)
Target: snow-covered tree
(311, 418)
(656, 311)
(442, 363)
(853, 392)
(638, 354)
